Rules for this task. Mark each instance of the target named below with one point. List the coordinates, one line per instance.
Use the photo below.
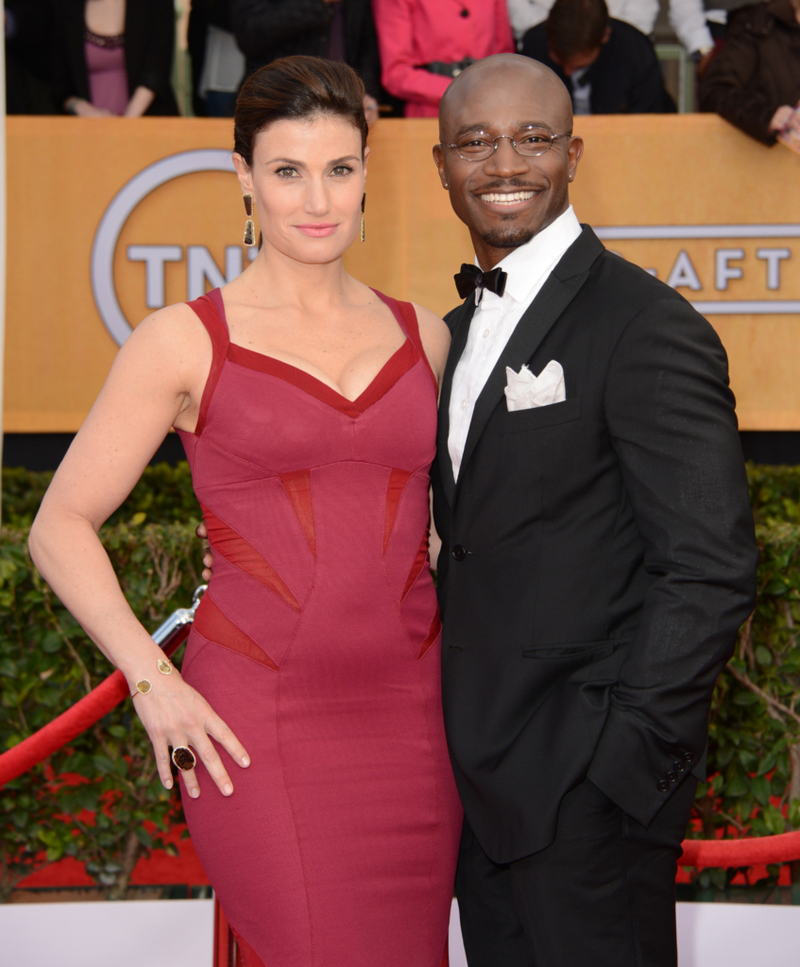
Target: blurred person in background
(754, 80)
(341, 30)
(686, 17)
(27, 80)
(608, 66)
(424, 44)
(218, 66)
(111, 58)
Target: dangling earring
(363, 226)
(249, 228)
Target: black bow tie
(471, 278)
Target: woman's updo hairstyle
(296, 87)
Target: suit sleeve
(688, 19)
(730, 89)
(672, 423)
(260, 26)
(365, 58)
(156, 66)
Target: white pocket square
(524, 390)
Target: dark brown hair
(297, 87)
(575, 26)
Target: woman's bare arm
(156, 381)
(140, 101)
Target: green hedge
(47, 663)
(163, 495)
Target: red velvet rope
(747, 851)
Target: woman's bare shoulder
(177, 323)
(435, 337)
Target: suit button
(663, 786)
(459, 552)
(679, 765)
(688, 756)
(672, 777)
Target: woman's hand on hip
(175, 716)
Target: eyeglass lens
(529, 141)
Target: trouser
(601, 895)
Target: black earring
(363, 226)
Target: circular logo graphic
(118, 212)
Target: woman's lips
(317, 229)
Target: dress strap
(406, 316)
(210, 310)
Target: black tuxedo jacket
(598, 554)
(626, 77)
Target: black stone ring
(184, 758)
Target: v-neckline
(401, 360)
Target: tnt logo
(148, 250)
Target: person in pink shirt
(424, 44)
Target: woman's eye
(286, 172)
(342, 170)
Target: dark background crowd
(102, 57)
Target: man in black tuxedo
(598, 550)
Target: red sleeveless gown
(318, 643)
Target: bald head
(494, 78)
(520, 185)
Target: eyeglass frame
(551, 140)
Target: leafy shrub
(97, 815)
(163, 495)
(754, 739)
(91, 799)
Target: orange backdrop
(685, 196)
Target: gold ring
(184, 758)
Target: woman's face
(307, 180)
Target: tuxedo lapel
(555, 295)
(459, 322)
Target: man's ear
(243, 172)
(606, 35)
(574, 153)
(438, 160)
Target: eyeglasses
(529, 142)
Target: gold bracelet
(144, 685)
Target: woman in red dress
(307, 406)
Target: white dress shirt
(496, 318)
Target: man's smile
(506, 197)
